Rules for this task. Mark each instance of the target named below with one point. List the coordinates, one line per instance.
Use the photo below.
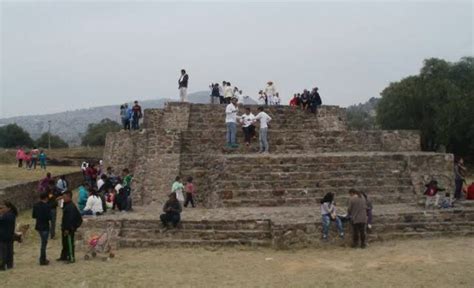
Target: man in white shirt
(247, 125)
(231, 123)
(264, 118)
(270, 91)
(93, 205)
(228, 93)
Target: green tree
(56, 141)
(439, 102)
(13, 135)
(95, 134)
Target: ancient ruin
(247, 198)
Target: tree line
(12, 136)
(439, 102)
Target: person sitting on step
(328, 214)
(172, 212)
(431, 193)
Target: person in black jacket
(183, 86)
(172, 211)
(315, 100)
(8, 214)
(53, 196)
(72, 220)
(42, 214)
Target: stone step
(429, 226)
(323, 183)
(178, 243)
(195, 234)
(202, 224)
(418, 235)
(266, 175)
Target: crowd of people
(131, 116)
(307, 101)
(30, 159)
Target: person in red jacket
(470, 192)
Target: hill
(71, 125)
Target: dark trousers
(189, 198)
(20, 163)
(221, 100)
(44, 243)
(65, 254)
(6, 255)
(358, 231)
(126, 124)
(53, 223)
(135, 123)
(249, 132)
(172, 218)
(33, 163)
(458, 189)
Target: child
(264, 119)
(431, 194)
(190, 192)
(42, 159)
(177, 188)
(446, 202)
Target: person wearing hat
(231, 123)
(270, 91)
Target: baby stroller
(100, 244)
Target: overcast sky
(61, 56)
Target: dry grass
(413, 263)
(10, 173)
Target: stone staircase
(273, 200)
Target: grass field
(11, 174)
(411, 263)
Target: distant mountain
(71, 125)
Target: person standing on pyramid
(183, 86)
(264, 118)
(270, 92)
(231, 123)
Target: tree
(95, 134)
(439, 102)
(13, 135)
(362, 116)
(56, 141)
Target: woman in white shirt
(247, 125)
(328, 214)
(93, 204)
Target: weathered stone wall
(24, 195)
(294, 141)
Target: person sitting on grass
(328, 214)
(431, 193)
(172, 212)
(93, 205)
(83, 195)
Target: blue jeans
(231, 132)
(326, 219)
(263, 139)
(44, 242)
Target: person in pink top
(190, 192)
(20, 156)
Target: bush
(13, 135)
(56, 141)
(95, 134)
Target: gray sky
(61, 56)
